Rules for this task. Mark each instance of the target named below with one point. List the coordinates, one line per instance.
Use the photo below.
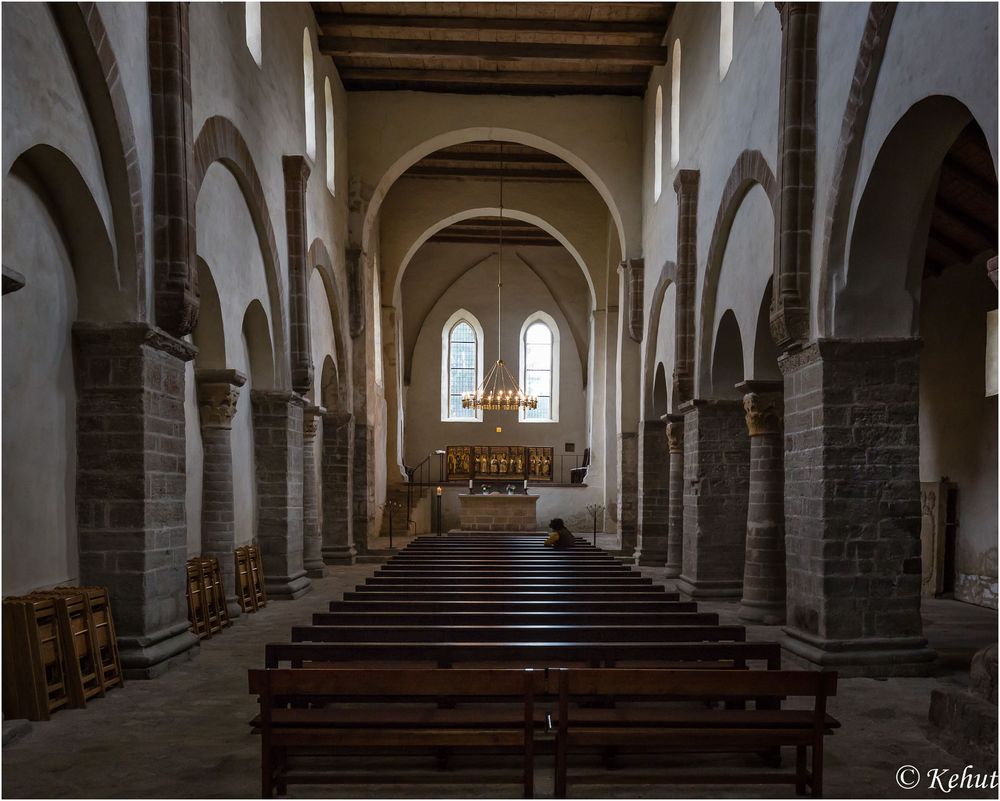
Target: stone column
(764, 572)
(338, 469)
(716, 486)
(277, 436)
(218, 392)
(686, 187)
(130, 486)
(312, 538)
(654, 497)
(296, 171)
(361, 490)
(675, 525)
(852, 507)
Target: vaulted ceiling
(495, 48)
(487, 231)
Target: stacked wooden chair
(250, 579)
(60, 651)
(206, 597)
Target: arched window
(461, 365)
(331, 162)
(675, 105)
(725, 38)
(540, 367)
(309, 88)
(658, 145)
(253, 31)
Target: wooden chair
(257, 575)
(245, 593)
(34, 659)
(309, 717)
(197, 612)
(102, 619)
(76, 628)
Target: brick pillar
(130, 486)
(312, 538)
(654, 498)
(338, 466)
(628, 491)
(764, 573)
(218, 392)
(686, 187)
(277, 437)
(716, 484)
(360, 489)
(675, 525)
(296, 170)
(852, 507)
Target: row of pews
(494, 645)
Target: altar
(498, 512)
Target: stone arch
(258, 342)
(848, 155)
(668, 275)
(751, 169)
(457, 137)
(727, 361)
(331, 393)
(765, 353)
(220, 141)
(319, 258)
(209, 334)
(62, 189)
(82, 29)
(660, 393)
(879, 293)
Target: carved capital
(310, 420)
(765, 412)
(218, 393)
(631, 271)
(675, 437)
(686, 180)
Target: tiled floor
(185, 734)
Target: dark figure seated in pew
(561, 537)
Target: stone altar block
(498, 512)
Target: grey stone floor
(185, 734)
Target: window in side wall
(461, 365)
(658, 145)
(309, 91)
(540, 367)
(331, 160)
(675, 105)
(725, 38)
(253, 32)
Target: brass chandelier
(499, 391)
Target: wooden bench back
(696, 684)
(517, 634)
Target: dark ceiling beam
(963, 174)
(513, 173)
(943, 241)
(537, 157)
(366, 47)
(953, 215)
(490, 78)
(459, 239)
(331, 22)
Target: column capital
(686, 180)
(764, 404)
(218, 393)
(310, 419)
(675, 434)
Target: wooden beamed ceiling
(495, 48)
(490, 160)
(486, 231)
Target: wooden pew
(395, 594)
(403, 617)
(536, 655)
(503, 633)
(526, 581)
(359, 711)
(371, 603)
(705, 728)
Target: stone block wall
(716, 488)
(628, 491)
(338, 480)
(654, 493)
(362, 492)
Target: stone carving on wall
(764, 411)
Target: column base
(869, 657)
(769, 613)
(152, 655)
(233, 608)
(340, 555)
(708, 589)
(287, 588)
(314, 569)
(672, 571)
(652, 558)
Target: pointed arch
(549, 365)
(455, 358)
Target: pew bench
(503, 633)
(447, 607)
(751, 721)
(310, 719)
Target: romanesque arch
(319, 257)
(667, 277)
(751, 169)
(220, 141)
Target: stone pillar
(654, 497)
(628, 492)
(361, 490)
(852, 507)
(338, 467)
(716, 486)
(675, 525)
(686, 187)
(277, 436)
(218, 392)
(130, 486)
(296, 170)
(312, 538)
(764, 572)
